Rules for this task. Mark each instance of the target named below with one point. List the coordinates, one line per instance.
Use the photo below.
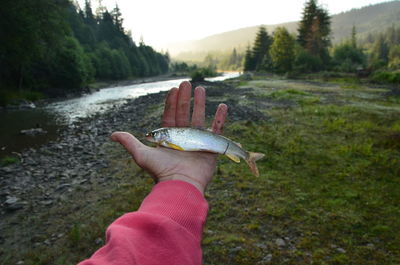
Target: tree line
(53, 45)
(311, 50)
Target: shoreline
(62, 175)
(91, 88)
(63, 196)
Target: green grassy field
(328, 192)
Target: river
(55, 116)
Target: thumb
(132, 145)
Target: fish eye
(150, 134)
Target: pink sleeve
(166, 229)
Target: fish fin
(233, 158)
(251, 161)
(174, 146)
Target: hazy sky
(168, 21)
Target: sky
(170, 21)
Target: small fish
(190, 139)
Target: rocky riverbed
(68, 175)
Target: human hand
(165, 164)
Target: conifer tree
(354, 37)
(314, 30)
(380, 51)
(249, 64)
(261, 47)
(117, 18)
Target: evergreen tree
(89, 16)
(394, 57)
(117, 18)
(354, 37)
(314, 30)
(380, 52)
(261, 47)
(249, 62)
(233, 59)
(282, 50)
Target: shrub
(348, 58)
(386, 77)
(306, 62)
(201, 73)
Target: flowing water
(53, 117)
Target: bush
(201, 73)
(348, 58)
(306, 62)
(386, 77)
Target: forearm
(166, 229)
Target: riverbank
(129, 82)
(327, 191)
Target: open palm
(164, 164)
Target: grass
(329, 185)
(8, 160)
(11, 96)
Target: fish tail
(251, 161)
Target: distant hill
(369, 19)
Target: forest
(50, 47)
(376, 54)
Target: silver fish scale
(191, 139)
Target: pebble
(99, 241)
(267, 258)
(341, 250)
(280, 242)
(33, 131)
(261, 245)
(11, 200)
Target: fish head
(157, 136)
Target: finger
(132, 145)
(168, 119)
(183, 105)
(199, 107)
(219, 120)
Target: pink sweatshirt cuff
(181, 202)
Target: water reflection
(12, 122)
(102, 100)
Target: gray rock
(99, 241)
(46, 202)
(62, 186)
(280, 242)
(267, 258)
(11, 200)
(236, 249)
(261, 245)
(341, 250)
(33, 131)
(7, 169)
